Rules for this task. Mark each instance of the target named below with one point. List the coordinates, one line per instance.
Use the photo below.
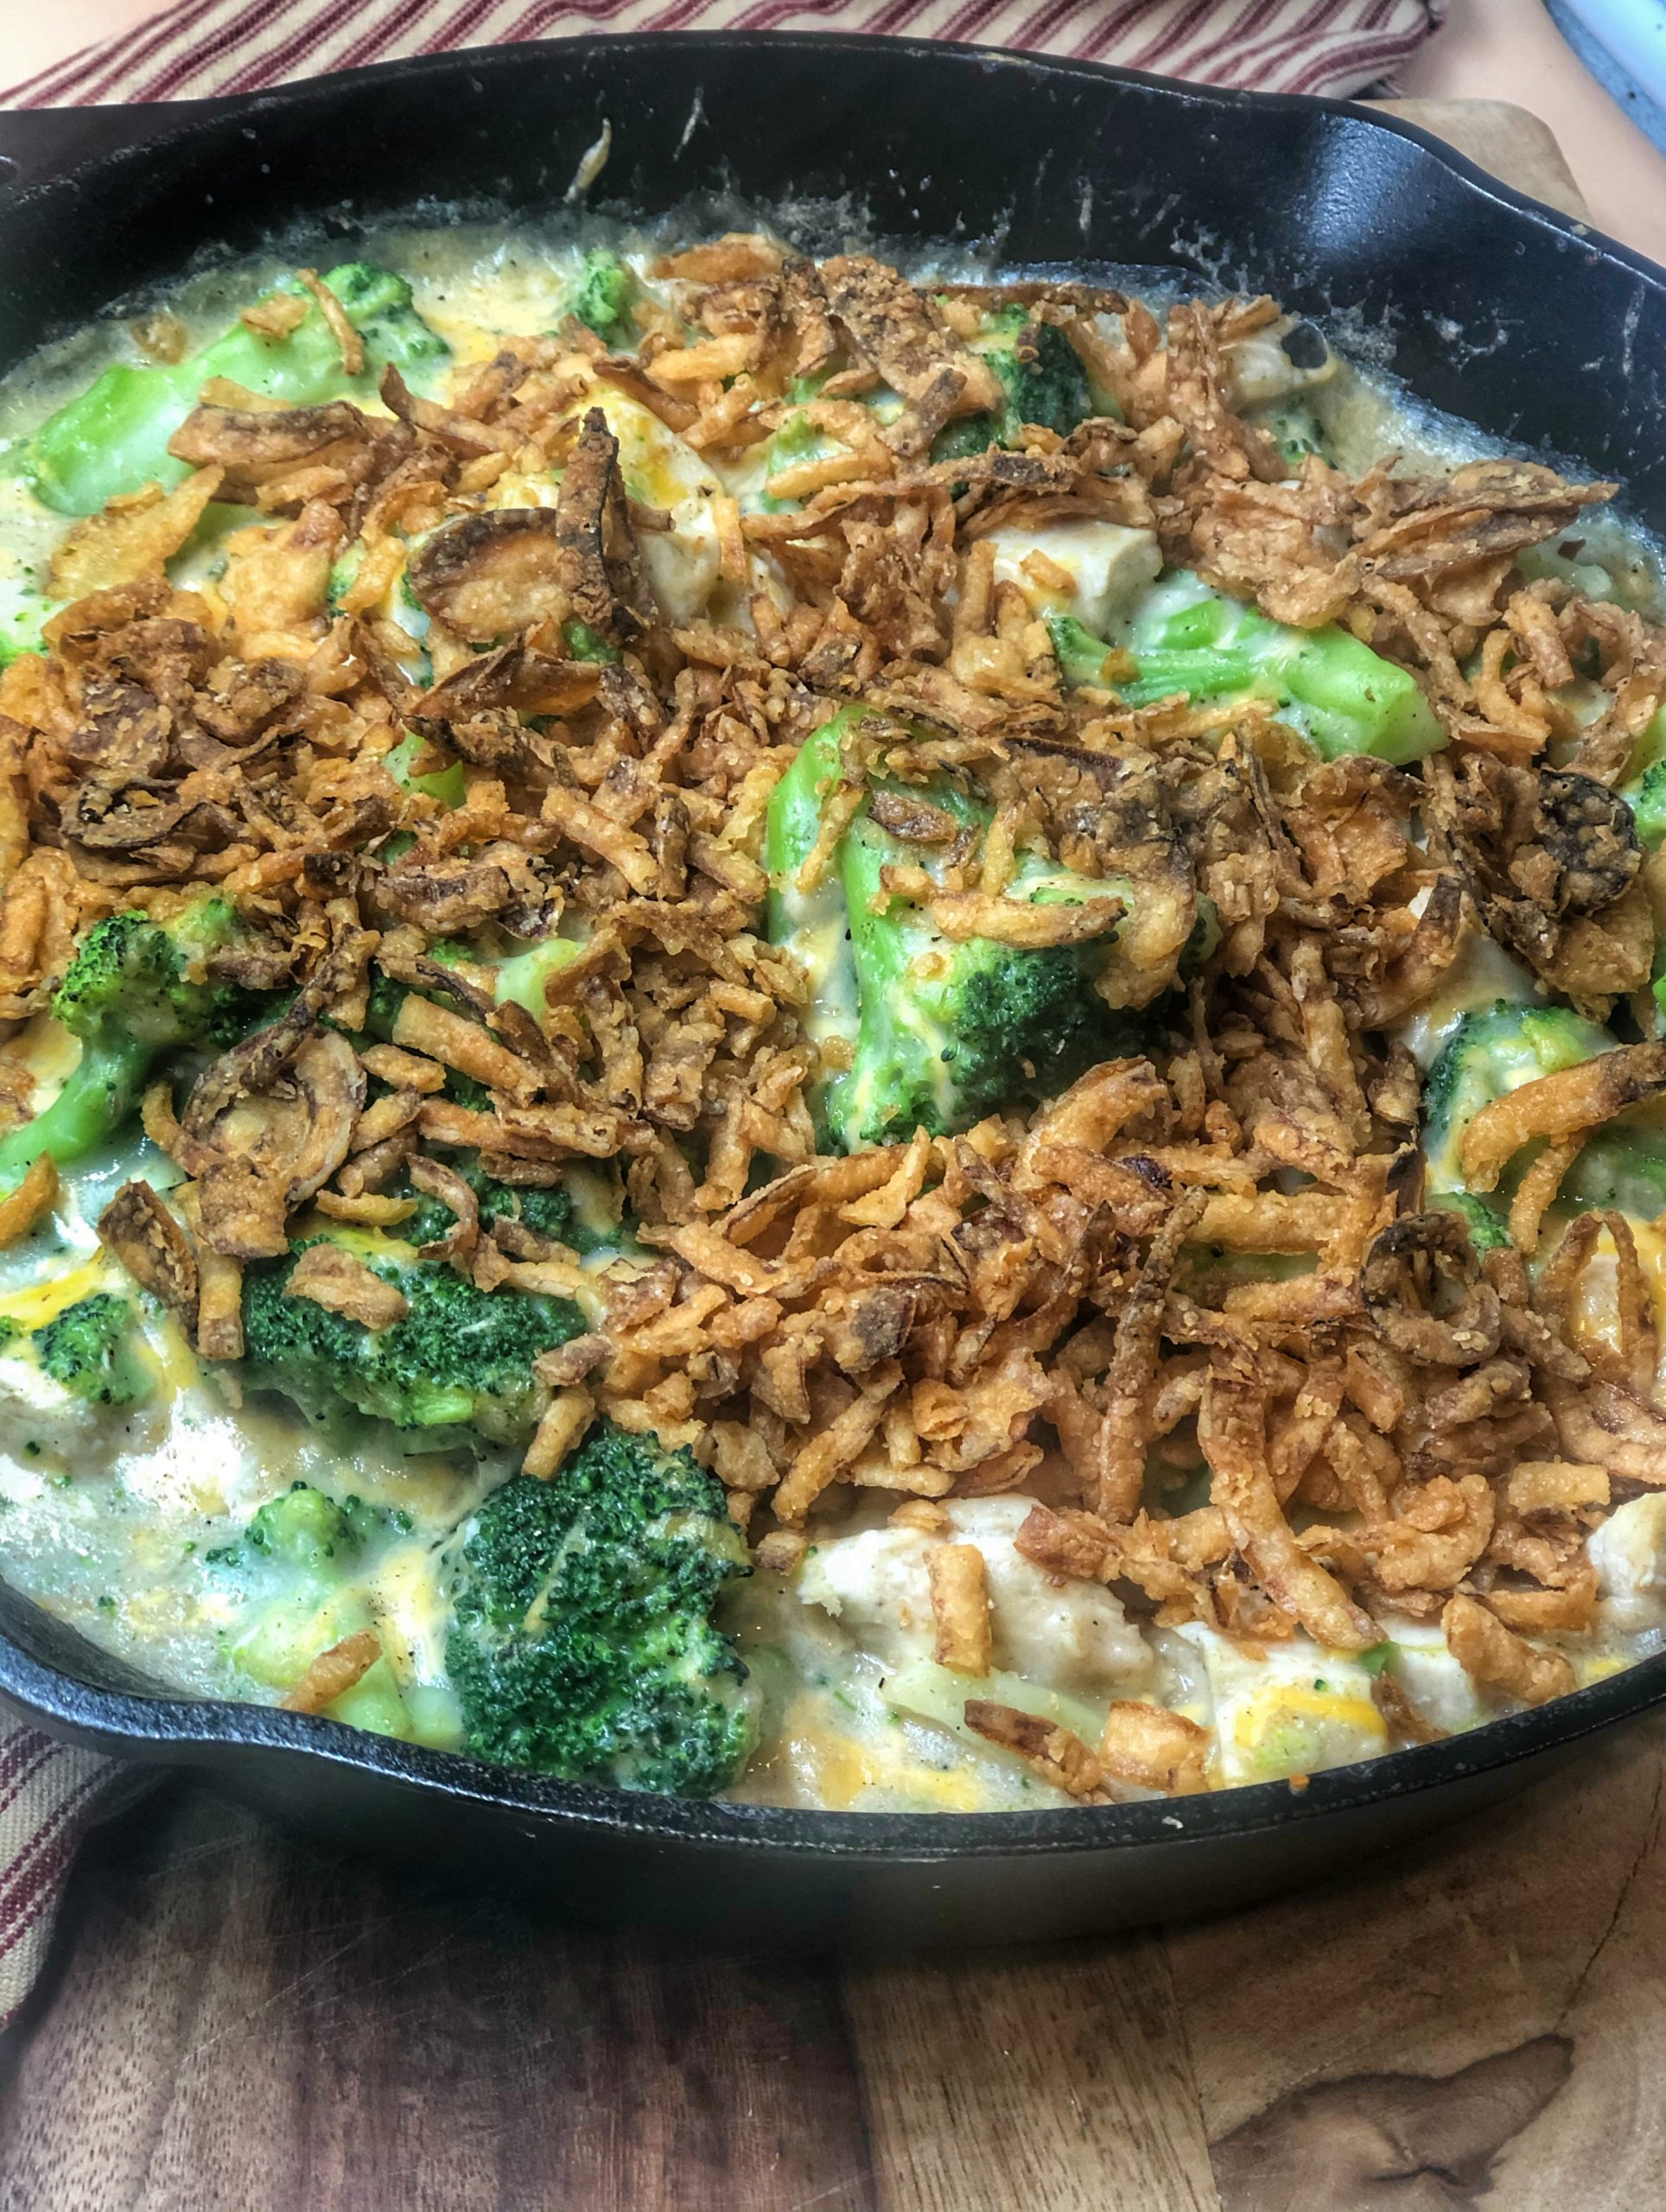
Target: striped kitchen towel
(199, 47)
(49, 1794)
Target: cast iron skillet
(1495, 307)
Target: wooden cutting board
(234, 2022)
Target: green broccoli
(301, 1527)
(1488, 1228)
(1296, 430)
(935, 1034)
(382, 309)
(86, 1349)
(1496, 1052)
(582, 1642)
(135, 990)
(951, 1031)
(585, 643)
(798, 440)
(1340, 694)
(449, 785)
(1045, 384)
(602, 298)
(1647, 799)
(517, 978)
(297, 1573)
(456, 1371)
(25, 611)
(548, 1210)
(1081, 656)
(113, 437)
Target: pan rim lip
(1467, 175)
(170, 1729)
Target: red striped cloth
(49, 1794)
(199, 47)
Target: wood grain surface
(234, 2021)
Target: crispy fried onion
(1408, 1264)
(330, 1277)
(153, 1248)
(1559, 1106)
(1231, 1429)
(260, 1154)
(334, 1672)
(1499, 1660)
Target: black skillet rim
(127, 130)
(182, 1731)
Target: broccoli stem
(518, 980)
(901, 1071)
(796, 804)
(448, 785)
(1081, 656)
(113, 437)
(1345, 698)
(100, 1094)
(1341, 696)
(812, 923)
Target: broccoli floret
(586, 644)
(1487, 1055)
(135, 990)
(457, 1369)
(86, 1349)
(1488, 1229)
(582, 1642)
(602, 301)
(968, 434)
(136, 974)
(1649, 805)
(301, 1527)
(382, 309)
(934, 1034)
(1043, 381)
(548, 1210)
(344, 574)
(517, 978)
(1021, 1025)
(949, 1032)
(1496, 1051)
(1295, 429)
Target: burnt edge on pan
(53, 166)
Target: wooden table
(235, 2022)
